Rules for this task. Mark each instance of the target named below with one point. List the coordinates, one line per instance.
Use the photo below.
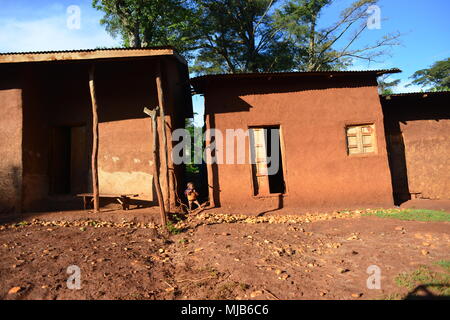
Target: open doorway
(67, 160)
(267, 160)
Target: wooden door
(259, 153)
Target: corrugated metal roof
(416, 94)
(82, 50)
(288, 74)
(198, 82)
(86, 54)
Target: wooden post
(162, 211)
(165, 160)
(94, 162)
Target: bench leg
(124, 201)
(85, 203)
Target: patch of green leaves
(172, 229)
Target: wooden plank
(87, 55)
(162, 211)
(165, 160)
(108, 195)
(261, 171)
(94, 158)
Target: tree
(385, 86)
(325, 49)
(437, 77)
(196, 136)
(143, 23)
(240, 36)
(246, 35)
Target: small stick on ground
(271, 294)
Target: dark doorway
(276, 181)
(265, 146)
(67, 161)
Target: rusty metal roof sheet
(87, 54)
(415, 94)
(198, 82)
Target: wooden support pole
(156, 162)
(165, 160)
(94, 162)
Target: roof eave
(82, 55)
(199, 82)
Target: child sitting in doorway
(191, 194)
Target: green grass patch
(172, 229)
(444, 264)
(424, 279)
(410, 214)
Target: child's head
(190, 185)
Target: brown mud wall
(418, 136)
(312, 114)
(56, 97)
(10, 141)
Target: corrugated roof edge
(288, 74)
(82, 50)
(85, 54)
(411, 94)
(197, 81)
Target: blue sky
(27, 25)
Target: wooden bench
(123, 199)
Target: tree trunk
(312, 44)
(94, 160)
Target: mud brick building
(46, 123)
(418, 142)
(340, 144)
(332, 139)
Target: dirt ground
(321, 256)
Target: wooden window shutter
(360, 139)
(260, 161)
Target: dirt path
(308, 260)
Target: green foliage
(172, 229)
(437, 77)
(385, 86)
(196, 134)
(239, 36)
(298, 20)
(317, 49)
(143, 23)
(410, 214)
(235, 36)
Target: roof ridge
(244, 74)
(85, 50)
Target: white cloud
(52, 33)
